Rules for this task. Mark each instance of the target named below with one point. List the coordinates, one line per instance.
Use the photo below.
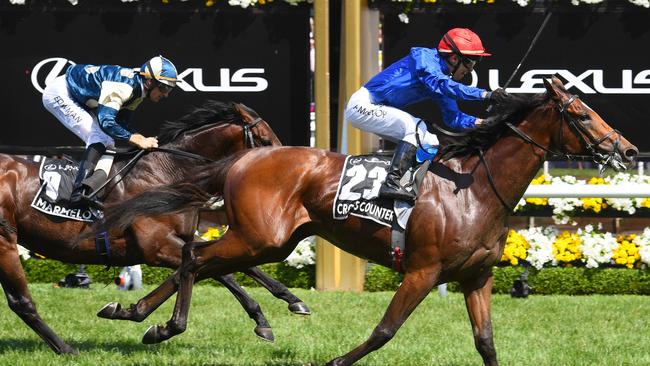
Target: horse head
(217, 129)
(264, 136)
(583, 131)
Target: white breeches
(388, 122)
(58, 101)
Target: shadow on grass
(30, 345)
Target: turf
(540, 330)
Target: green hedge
(50, 271)
(569, 281)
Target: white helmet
(160, 69)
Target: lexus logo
(59, 65)
(241, 80)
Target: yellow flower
(209, 3)
(566, 248)
(214, 233)
(516, 248)
(627, 253)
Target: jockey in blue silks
(423, 74)
(96, 102)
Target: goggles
(164, 88)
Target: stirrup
(397, 194)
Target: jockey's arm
(112, 98)
(428, 71)
(453, 117)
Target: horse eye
(585, 117)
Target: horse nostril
(630, 154)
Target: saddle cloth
(57, 177)
(358, 190)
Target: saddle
(57, 177)
(357, 195)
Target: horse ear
(243, 111)
(551, 89)
(558, 80)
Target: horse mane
(513, 110)
(211, 111)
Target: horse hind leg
(477, 300)
(14, 283)
(145, 306)
(415, 287)
(214, 257)
(279, 290)
(253, 309)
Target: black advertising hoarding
(601, 52)
(257, 57)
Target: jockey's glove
(497, 96)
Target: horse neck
(213, 143)
(513, 162)
(163, 167)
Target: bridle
(249, 138)
(588, 141)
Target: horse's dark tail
(173, 198)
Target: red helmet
(466, 41)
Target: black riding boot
(86, 169)
(402, 160)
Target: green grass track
(540, 330)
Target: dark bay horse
(276, 196)
(214, 130)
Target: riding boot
(86, 169)
(402, 160)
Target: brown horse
(213, 131)
(456, 232)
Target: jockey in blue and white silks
(96, 103)
(424, 74)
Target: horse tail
(173, 198)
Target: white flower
(643, 241)
(597, 248)
(541, 241)
(403, 18)
(17, 2)
(304, 253)
(23, 252)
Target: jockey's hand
(498, 96)
(145, 143)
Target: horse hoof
(68, 350)
(299, 308)
(265, 333)
(109, 310)
(152, 335)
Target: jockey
(423, 74)
(96, 102)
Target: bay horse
(456, 232)
(213, 131)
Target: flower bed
(588, 247)
(565, 208)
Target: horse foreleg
(415, 287)
(279, 290)
(477, 299)
(20, 301)
(145, 306)
(252, 307)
